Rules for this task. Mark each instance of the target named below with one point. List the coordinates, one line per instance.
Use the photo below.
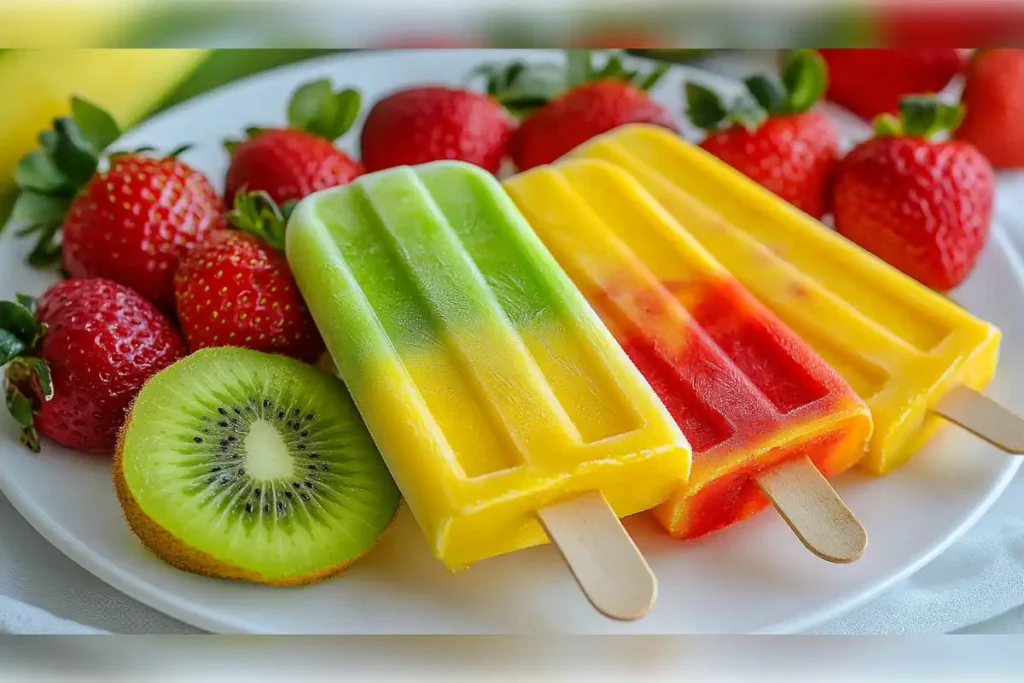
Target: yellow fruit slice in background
(38, 85)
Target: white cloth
(18, 617)
(980, 577)
(43, 592)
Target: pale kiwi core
(266, 455)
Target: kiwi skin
(180, 555)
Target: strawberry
(235, 288)
(771, 134)
(422, 124)
(994, 101)
(293, 162)
(583, 104)
(967, 22)
(76, 361)
(130, 223)
(137, 233)
(923, 205)
(870, 82)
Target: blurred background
(49, 47)
(683, 24)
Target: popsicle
(504, 409)
(766, 417)
(914, 355)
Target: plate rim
(199, 616)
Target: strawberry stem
(707, 111)
(257, 214)
(27, 380)
(888, 125)
(315, 107)
(21, 398)
(48, 178)
(98, 127)
(703, 106)
(523, 88)
(922, 116)
(802, 84)
(578, 67)
(768, 92)
(18, 323)
(805, 79)
(179, 150)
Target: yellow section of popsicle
(490, 387)
(901, 345)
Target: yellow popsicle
(902, 346)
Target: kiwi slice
(244, 465)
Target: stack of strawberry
(919, 194)
(159, 265)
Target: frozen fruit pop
(757, 405)
(911, 353)
(492, 390)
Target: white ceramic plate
(753, 577)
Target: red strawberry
(130, 223)
(290, 163)
(235, 288)
(418, 125)
(968, 22)
(75, 363)
(136, 233)
(994, 99)
(924, 206)
(591, 102)
(772, 135)
(870, 82)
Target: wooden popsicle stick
(814, 511)
(604, 560)
(983, 417)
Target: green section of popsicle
(426, 249)
(433, 269)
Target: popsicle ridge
(490, 387)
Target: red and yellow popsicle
(750, 396)
(913, 355)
